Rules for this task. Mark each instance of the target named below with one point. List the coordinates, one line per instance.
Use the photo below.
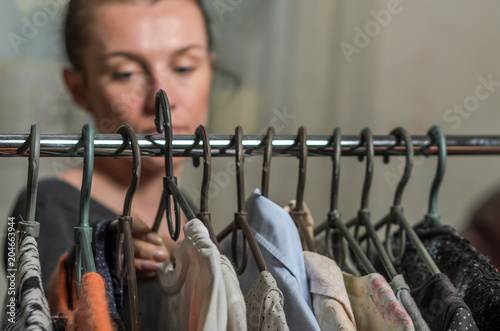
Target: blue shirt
(279, 242)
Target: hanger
(201, 135)
(84, 259)
(266, 169)
(163, 122)
(437, 137)
(125, 246)
(240, 217)
(30, 225)
(334, 222)
(298, 212)
(396, 215)
(364, 213)
(266, 163)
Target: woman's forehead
(161, 28)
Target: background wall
(299, 63)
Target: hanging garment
(264, 304)
(30, 308)
(441, 306)
(237, 313)
(90, 312)
(374, 304)
(279, 242)
(470, 272)
(104, 245)
(194, 294)
(402, 292)
(331, 304)
(308, 219)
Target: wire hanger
(298, 213)
(163, 122)
(30, 225)
(334, 222)
(364, 213)
(201, 135)
(125, 246)
(438, 138)
(84, 259)
(240, 217)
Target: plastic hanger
(163, 122)
(266, 163)
(333, 225)
(266, 166)
(240, 217)
(201, 135)
(125, 246)
(298, 213)
(84, 258)
(438, 138)
(30, 225)
(363, 217)
(396, 215)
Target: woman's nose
(167, 85)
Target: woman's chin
(155, 165)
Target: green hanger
(30, 225)
(84, 259)
(432, 218)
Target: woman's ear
(76, 85)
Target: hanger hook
(367, 139)
(30, 225)
(302, 137)
(240, 214)
(129, 136)
(397, 210)
(438, 138)
(266, 163)
(402, 135)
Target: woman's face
(136, 49)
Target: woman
(121, 52)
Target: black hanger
(201, 135)
(84, 259)
(240, 217)
(125, 246)
(432, 217)
(363, 217)
(163, 122)
(334, 222)
(298, 213)
(30, 225)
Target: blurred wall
(320, 64)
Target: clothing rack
(106, 145)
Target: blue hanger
(30, 225)
(163, 123)
(84, 259)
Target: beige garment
(194, 290)
(264, 302)
(237, 312)
(374, 304)
(331, 304)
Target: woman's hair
(79, 18)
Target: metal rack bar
(60, 145)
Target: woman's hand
(149, 249)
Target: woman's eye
(124, 75)
(184, 70)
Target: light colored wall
(287, 54)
